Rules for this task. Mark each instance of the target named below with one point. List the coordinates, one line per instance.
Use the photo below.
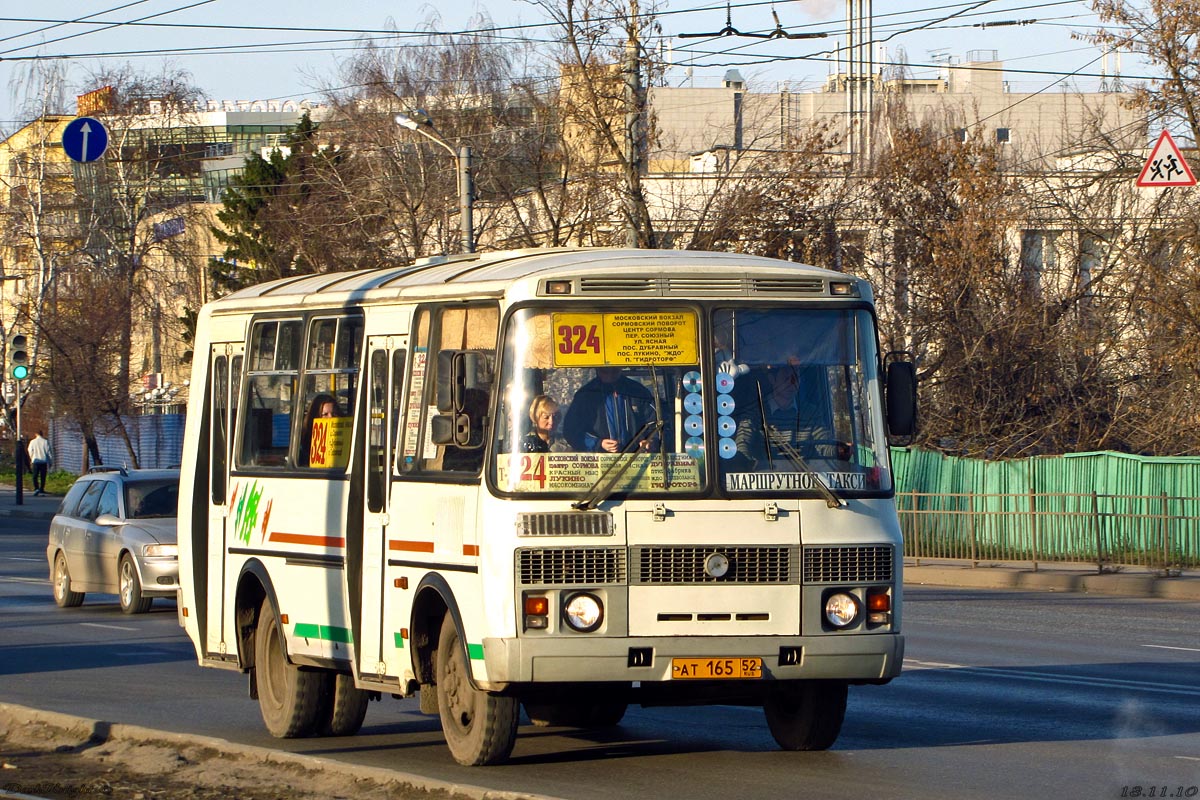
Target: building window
(1003, 135)
(960, 135)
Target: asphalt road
(1006, 694)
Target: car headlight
(583, 612)
(161, 551)
(841, 609)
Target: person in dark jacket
(607, 412)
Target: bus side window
(270, 393)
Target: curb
(1136, 585)
(101, 731)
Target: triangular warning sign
(1165, 166)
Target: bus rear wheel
(806, 715)
(288, 697)
(480, 727)
(343, 706)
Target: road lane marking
(1096, 682)
(1168, 647)
(16, 579)
(110, 627)
(1188, 758)
(20, 558)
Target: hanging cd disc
(725, 404)
(726, 448)
(693, 425)
(691, 381)
(724, 382)
(692, 403)
(726, 426)
(694, 447)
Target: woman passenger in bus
(543, 412)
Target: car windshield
(151, 499)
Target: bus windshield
(635, 401)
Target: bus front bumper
(866, 658)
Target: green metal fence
(1109, 509)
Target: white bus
(565, 479)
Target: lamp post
(422, 124)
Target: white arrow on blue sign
(84, 139)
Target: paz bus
(564, 480)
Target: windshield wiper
(605, 485)
(771, 433)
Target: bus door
(375, 651)
(225, 365)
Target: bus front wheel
(288, 697)
(480, 728)
(806, 715)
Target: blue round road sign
(84, 139)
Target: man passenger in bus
(607, 412)
(543, 412)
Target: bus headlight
(583, 612)
(841, 609)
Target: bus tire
(64, 597)
(480, 727)
(343, 706)
(288, 697)
(129, 588)
(806, 715)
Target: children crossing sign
(1166, 166)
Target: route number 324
(578, 339)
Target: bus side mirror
(457, 371)
(900, 395)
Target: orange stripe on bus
(304, 538)
(416, 547)
(470, 549)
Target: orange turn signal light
(879, 602)
(537, 606)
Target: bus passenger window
(271, 385)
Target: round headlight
(841, 609)
(583, 612)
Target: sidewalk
(31, 508)
(1054, 577)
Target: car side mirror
(109, 520)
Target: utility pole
(860, 79)
(637, 224)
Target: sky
(290, 49)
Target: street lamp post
(422, 124)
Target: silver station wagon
(115, 533)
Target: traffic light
(18, 356)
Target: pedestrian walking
(40, 456)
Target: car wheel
(129, 588)
(63, 596)
(480, 727)
(288, 697)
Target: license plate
(710, 668)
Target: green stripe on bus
(475, 651)
(399, 641)
(329, 633)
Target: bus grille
(683, 565)
(569, 523)
(848, 564)
(722, 286)
(571, 566)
